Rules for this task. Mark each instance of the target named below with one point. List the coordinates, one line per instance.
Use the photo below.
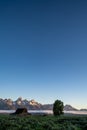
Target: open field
(43, 122)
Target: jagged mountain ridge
(9, 104)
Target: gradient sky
(43, 50)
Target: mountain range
(9, 104)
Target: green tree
(58, 107)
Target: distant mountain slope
(9, 104)
(83, 109)
(69, 108)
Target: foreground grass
(11, 122)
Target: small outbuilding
(21, 111)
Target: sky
(43, 50)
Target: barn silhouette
(21, 111)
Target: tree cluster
(58, 107)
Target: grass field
(38, 122)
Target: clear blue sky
(43, 50)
